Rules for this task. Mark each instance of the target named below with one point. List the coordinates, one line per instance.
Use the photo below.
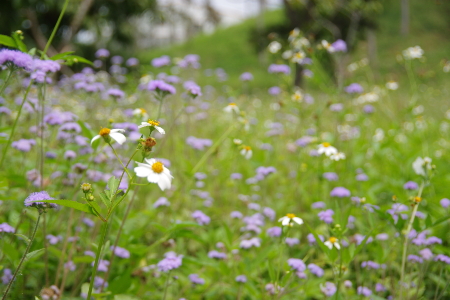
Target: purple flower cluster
(246, 76)
(340, 192)
(316, 270)
(216, 254)
(329, 289)
(197, 143)
(161, 86)
(253, 242)
(17, 58)
(161, 61)
(326, 216)
(120, 252)
(190, 60)
(23, 145)
(200, 217)
(195, 279)
(192, 88)
(283, 69)
(171, 261)
(354, 88)
(5, 227)
(296, 264)
(33, 200)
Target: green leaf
(32, 51)
(113, 184)
(10, 251)
(271, 270)
(7, 41)
(83, 259)
(105, 199)
(34, 254)
(319, 241)
(20, 45)
(441, 220)
(72, 204)
(72, 59)
(61, 55)
(428, 221)
(85, 130)
(27, 239)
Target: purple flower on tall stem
(329, 289)
(33, 200)
(292, 241)
(195, 279)
(170, 262)
(201, 218)
(354, 88)
(340, 192)
(161, 86)
(246, 76)
(411, 185)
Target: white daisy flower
(289, 219)
(152, 123)
(413, 52)
(155, 173)
(392, 85)
(140, 112)
(237, 141)
(247, 152)
(297, 97)
(108, 134)
(327, 149)
(421, 165)
(338, 156)
(232, 107)
(332, 241)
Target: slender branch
(55, 29)
(97, 258)
(23, 257)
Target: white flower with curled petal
(332, 241)
(155, 173)
(247, 152)
(108, 134)
(289, 219)
(327, 149)
(232, 107)
(154, 124)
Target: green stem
(118, 158)
(23, 257)
(160, 108)
(166, 285)
(6, 81)
(97, 258)
(8, 143)
(55, 29)
(405, 243)
(212, 149)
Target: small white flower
(140, 112)
(332, 241)
(152, 123)
(338, 156)
(155, 173)
(413, 53)
(107, 133)
(288, 220)
(232, 107)
(237, 141)
(327, 149)
(247, 152)
(297, 97)
(421, 165)
(392, 85)
(274, 47)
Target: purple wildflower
(329, 289)
(296, 264)
(340, 192)
(7, 276)
(318, 205)
(443, 258)
(274, 231)
(326, 216)
(362, 290)
(195, 279)
(445, 203)
(18, 58)
(292, 241)
(121, 252)
(102, 53)
(339, 46)
(253, 242)
(161, 61)
(284, 69)
(275, 90)
(330, 176)
(217, 255)
(411, 185)
(236, 215)
(162, 201)
(316, 270)
(201, 218)
(5, 227)
(161, 86)
(241, 278)
(170, 262)
(246, 76)
(23, 145)
(354, 88)
(33, 200)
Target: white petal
(150, 161)
(285, 221)
(337, 245)
(153, 177)
(249, 154)
(117, 130)
(142, 171)
(95, 138)
(118, 137)
(329, 244)
(143, 124)
(243, 152)
(298, 220)
(282, 218)
(160, 130)
(164, 183)
(167, 172)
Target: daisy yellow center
(326, 145)
(297, 96)
(157, 167)
(153, 122)
(143, 111)
(290, 216)
(104, 131)
(417, 199)
(247, 148)
(232, 104)
(333, 239)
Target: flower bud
(86, 187)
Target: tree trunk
(404, 27)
